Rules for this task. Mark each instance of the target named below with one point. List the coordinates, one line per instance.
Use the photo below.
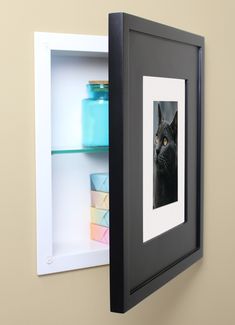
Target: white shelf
(63, 66)
(79, 248)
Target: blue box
(100, 182)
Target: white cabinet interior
(64, 64)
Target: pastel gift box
(100, 182)
(99, 233)
(100, 200)
(100, 217)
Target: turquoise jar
(95, 115)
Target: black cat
(165, 158)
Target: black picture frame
(140, 47)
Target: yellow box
(100, 200)
(100, 217)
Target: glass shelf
(80, 150)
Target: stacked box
(100, 200)
(100, 207)
(100, 217)
(100, 233)
(100, 182)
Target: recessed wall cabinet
(155, 75)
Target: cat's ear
(174, 126)
(159, 114)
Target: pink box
(100, 233)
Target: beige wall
(204, 294)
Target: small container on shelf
(95, 115)
(100, 233)
(100, 200)
(100, 217)
(100, 182)
(100, 207)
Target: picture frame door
(138, 48)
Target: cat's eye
(165, 141)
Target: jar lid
(98, 82)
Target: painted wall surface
(204, 294)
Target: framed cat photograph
(163, 141)
(156, 155)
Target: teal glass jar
(95, 115)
